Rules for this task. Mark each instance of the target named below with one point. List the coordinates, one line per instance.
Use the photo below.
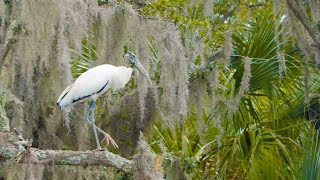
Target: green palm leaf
(83, 61)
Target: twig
(227, 15)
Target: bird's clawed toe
(108, 139)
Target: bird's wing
(89, 89)
(95, 82)
(92, 82)
(64, 93)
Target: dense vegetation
(259, 98)
(259, 91)
(254, 118)
(235, 90)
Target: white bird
(95, 82)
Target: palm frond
(311, 161)
(82, 61)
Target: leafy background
(258, 125)
(256, 118)
(248, 108)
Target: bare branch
(226, 15)
(303, 18)
(59, 157)
(12, 148)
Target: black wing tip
(83, 97)
(59, 105)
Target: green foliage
(256, 154)
(155, 62)
(188, 16)
(311, 160)
(261, 148)
(179, 144)
(262, 134)
(252, 130)
(82, 61)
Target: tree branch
(59, 157)
(12, 149)
(226, 15)
(303, 18)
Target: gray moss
(37, 70)
(4, 121)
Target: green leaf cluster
(264, 128)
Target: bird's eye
(132, 55)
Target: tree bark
(59, 157)
(14, 148)
(303, 18)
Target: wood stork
(94, 83)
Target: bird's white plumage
(64, 93)
(95, 82)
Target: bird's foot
(99, 149)
(109, 139)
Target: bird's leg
(92, 105)
(86, 116)
(106, 135)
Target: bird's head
(132, 58)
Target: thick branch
(303, 18)
(12, 148)
(58, 157)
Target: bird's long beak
(142, 70)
